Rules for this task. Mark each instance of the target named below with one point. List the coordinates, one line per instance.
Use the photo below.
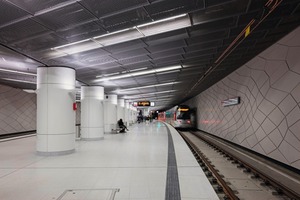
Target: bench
(117, 130)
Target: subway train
(180, 116)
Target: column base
(55, 153)
(92, 139)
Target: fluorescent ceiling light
(29, 91)
(104, 75)
(78, 47)
(161, 100)
(138, 73)
(162, 20)
(16, 80)
(147, 94)
(16, 72)
(154, 99)
(138, 69)
(147, 86)
(70, 44)
(118, 37)
(168, 68)
(158, 97)
(169, 24)
(112, 33)
(161, 92)
(140, 31)
(168, 72)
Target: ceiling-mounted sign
(232, 101)
(143, 103)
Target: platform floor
(122, 167)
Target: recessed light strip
(70, 44)
(147, 94)
(16, 72)
(147, 86)
(130, 32)
(137, 73)
(162, 20)
(147, 97)
(16, 80)
(112, 33)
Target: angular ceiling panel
(164, 54)
(34, 6)
(134, 60)
(122, 41)
(106, 8)
(125, 20)
(10, 13)
(168, 60)
(167, 46)
(68, 16)
(29, 29)
(220, 11)
(166, 37)
(169, 8)
(130, 53)
(126, 46)
(40, 43)
(85, 31)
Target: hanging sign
(232, 101)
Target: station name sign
(143, 103)
(232, 101)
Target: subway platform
(151, 161)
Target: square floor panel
(86, 194)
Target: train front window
(183, 115)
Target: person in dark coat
(122, 126)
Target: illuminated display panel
(183, 109)
(143, 103)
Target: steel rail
(279, 187)
(229, 193)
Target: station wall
(268, 118)
(17, 110)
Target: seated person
(122, 126)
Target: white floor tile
(134, 162)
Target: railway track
(258, 178)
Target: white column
(121, 111)
(55, 114)
(110, 112)
(133, 116)
(127, 113)
(92, 122)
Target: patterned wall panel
(17, 110)
(268, 118)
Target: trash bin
(77, 127)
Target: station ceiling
(165, 51)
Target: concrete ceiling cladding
(164, 50)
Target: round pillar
(110, 113)
(121, 109)
(92, 113)
(55, 114)
(127, 113)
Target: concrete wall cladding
(268, 118)
(17, 110)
